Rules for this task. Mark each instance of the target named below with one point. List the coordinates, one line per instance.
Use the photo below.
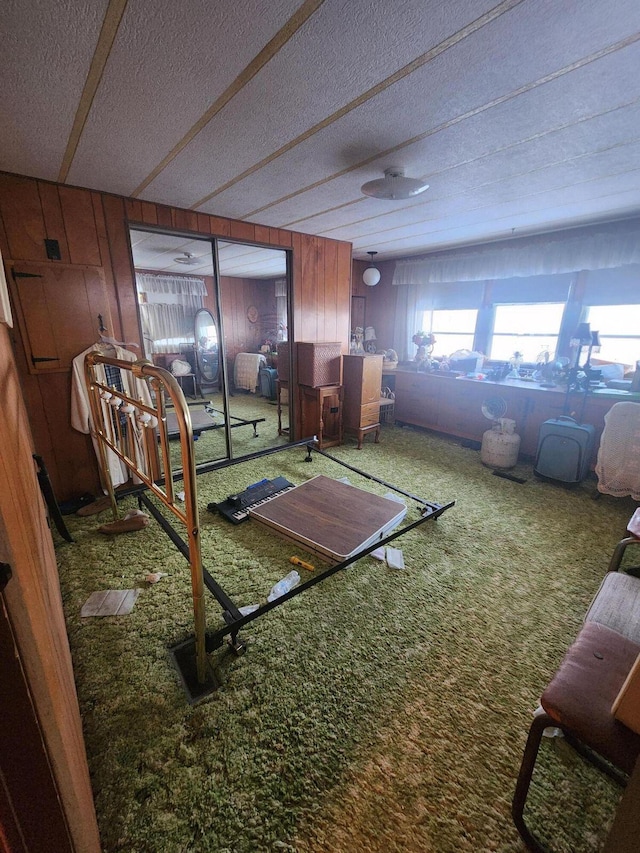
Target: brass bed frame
(117, 418)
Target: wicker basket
(319, 363)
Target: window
(453, 329)
(619, 330)
(529, 329)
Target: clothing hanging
(137, 389)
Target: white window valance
(182, 284)
(604, 246)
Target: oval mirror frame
(207, 347)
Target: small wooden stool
(633, 529)
(578, 701)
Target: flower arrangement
(423, 339)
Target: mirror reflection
(220, 335)
(254, 303)
(207, 352)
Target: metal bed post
(110, 436)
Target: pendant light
(371, 276)
(394, 186)
(186, 258)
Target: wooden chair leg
(539, 724)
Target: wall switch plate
(53, 250)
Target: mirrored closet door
(215, 314)
(254, 306)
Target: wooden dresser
(454, 406)
(362, 380)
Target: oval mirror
(206, 344)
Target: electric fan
(494, 408)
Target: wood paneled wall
(92, 229)
(236, 295)
(321, 282)
(48, 749)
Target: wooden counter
(454, 405)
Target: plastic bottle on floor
(283, 586)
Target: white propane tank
(500, 445)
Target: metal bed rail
(118, 420)
(233, 618)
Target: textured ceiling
(522, 115)
(153, 251)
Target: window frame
(557, 335)
(604, 336)
(442, 335)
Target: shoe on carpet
(133, 520)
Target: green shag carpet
(380, 710)
(211, 443)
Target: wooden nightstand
(321, 414)
(362, 379)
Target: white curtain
(169, 309)
(411, 302)
(604, 246)
(166, 325)
(185, 285)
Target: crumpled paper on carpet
(154, 577)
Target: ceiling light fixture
(371, 276)
(394, 185)
(186, 258)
